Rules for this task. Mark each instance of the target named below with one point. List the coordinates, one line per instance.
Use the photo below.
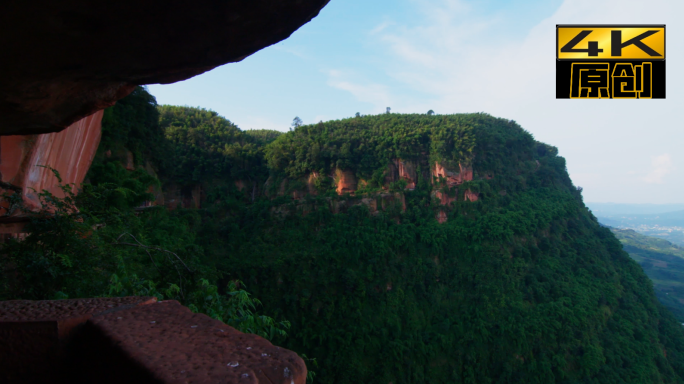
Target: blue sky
(458, 56)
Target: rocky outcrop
(371, 203)
(192, 197)
(441, 217)
(240, 185)
(402, 170)
(185, 197)
(130, 161)
(172, 197)
(446, 180)
(71, 59)
(451, 177)
(345, 181)
(133, 340)
(444, 198)
(168, 343)
(470, 196)
(311, 182)
(33, 333)
(23, 159)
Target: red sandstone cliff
(449, 179)
(399, 169)
(446, 180)
(70, 152)
(470, 196)
(311, 183)
(453, 178)
(345, 181)
(441, 217)
(444, 198)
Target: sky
(456, 56)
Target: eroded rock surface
(441, 217)
(32, 333)
(133, 340)
(444, 198)
(63, 61)
(167, 343)
(470, 196)
(346, 181)
(24, 159)
(399, 169)
(453, 177)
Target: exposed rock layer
(23, 159)
(451, 177)
(346, 181)
(67, 60)
(402, 170)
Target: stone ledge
(122, 340)
(167, 343)
(33, 333)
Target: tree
(388, 110)
(297, 122)
(358, 114)
(430, 112)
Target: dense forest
(429, 276)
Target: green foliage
(236, 308)
(521, 286)
(206, 146)
(263, 136)
(367, 144)
(81, 246)
(133, 124)
(130, 188)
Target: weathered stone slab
(166, 343)
(32, 333)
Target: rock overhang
(67, 60)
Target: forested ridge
(520, 284)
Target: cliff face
(451, 177)
(493, 253)
(345, 181)
(517, 256)
(399, 169)
(24, 159)
(71, 59)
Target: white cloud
(660, 167)
(376, 94)
(465, 63)
(381, 27)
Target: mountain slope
(663, 262)
(519, 283)
(415, 248)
